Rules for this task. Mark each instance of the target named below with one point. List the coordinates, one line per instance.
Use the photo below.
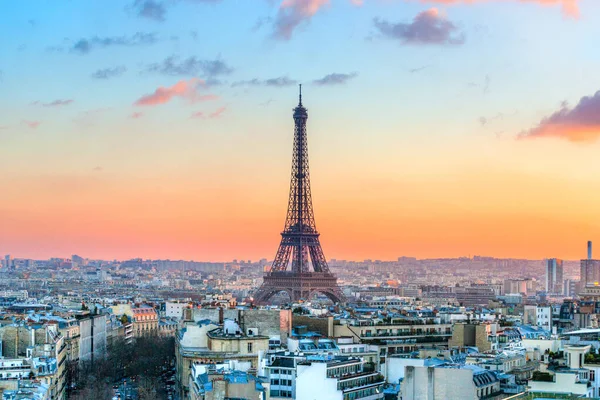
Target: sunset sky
(163, 128)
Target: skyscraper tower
(300, 247)
(554, 276)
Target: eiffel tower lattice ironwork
(300, 244)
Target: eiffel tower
(300, 244)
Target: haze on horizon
(163, 129)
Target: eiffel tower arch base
(298, 286)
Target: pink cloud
(218, 113)
(187, 90)
(578, 124)
(215, 114)
(136, 115)
(292, 13)
(32, 124)
(569, 7)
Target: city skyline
(162, 135)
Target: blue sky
(404, 96)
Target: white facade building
(544, 317)
(175, 309)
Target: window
(250, 347)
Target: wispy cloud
(418, 69)
(84, 46)
(292, 13)
(281, 81)
(190, 66)
(136, 115)
(570, 7)
(55, 103)
(188, 90)
(31, 124)
(218, 113)
(485, 85)
(213, 115)
(107, 73)
(335, 79)
(428, 27)
(578, 124)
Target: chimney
(589, 249)
(221, 316)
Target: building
(518, 286)
(554, 276)
(145, 321)
(589, 270)
(205, 342)
(544, 317)
(92, 337)
(473, 335)
(174, 310)
(449, 381)
(337, 378)
(572, 379)
(280, 369)
(396, 336)
(225, 381)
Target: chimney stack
(589, 249)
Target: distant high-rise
(7, 261)
(590, 269)
(554, 276)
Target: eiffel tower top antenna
(300, 103)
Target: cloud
(107, 73)
(570, 7)
(84, 46)
(292, 13)
(188, 90)
(55, 103)
(485, 86)
(32, 124)
(190, 67)
(136, 115)
(150, 9)
(578, 124)
(335, 79)
(282, 81)
(418, 69)
(427, 28)
(218, 113)
(213, 115)
(89, 118)
(98, 169)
